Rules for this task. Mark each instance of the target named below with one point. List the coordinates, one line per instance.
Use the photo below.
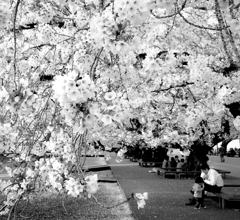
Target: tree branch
(229, 33)
(113, 206)
(199, 26)
(194, 98)
(172, 15)
(236, 6)
(202, 8)
(170, 29)
(222, 25)
(95, 63)
(15, 42)
(172, 87)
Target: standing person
(221, 153)
(198, 188)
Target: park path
(231, 164)
(167, 197)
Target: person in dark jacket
(173, 163)
(221, 153)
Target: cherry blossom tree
(76, 71)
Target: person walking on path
(198, 188)
(221, 153)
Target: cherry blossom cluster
(236, 123)
(57, 180)
(8, 137)
(5, 14)
(134, 10)
(71, 92)
(103, 29)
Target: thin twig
(11, 211)
(172, 87)
(64, 207)
(15, 208)
(22, 216)
(173, 23)
(3, 207)
(194, 98)
(95, 63)
(113, 206)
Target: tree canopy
(75, 72)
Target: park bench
(149, 163)
(172, 171)
(168, 169)
(184, 173)
(224, 197)
(223, 172)
(181, 174)
(133, 159)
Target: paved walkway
(231, 164)
(167, 197)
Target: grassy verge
(50, 207)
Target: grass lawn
(49, 206)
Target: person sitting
(213, 181)
(177, 159)
(165, 162)
(181, 165)
(173, 163)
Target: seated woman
(181, 165)
(165, 162)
